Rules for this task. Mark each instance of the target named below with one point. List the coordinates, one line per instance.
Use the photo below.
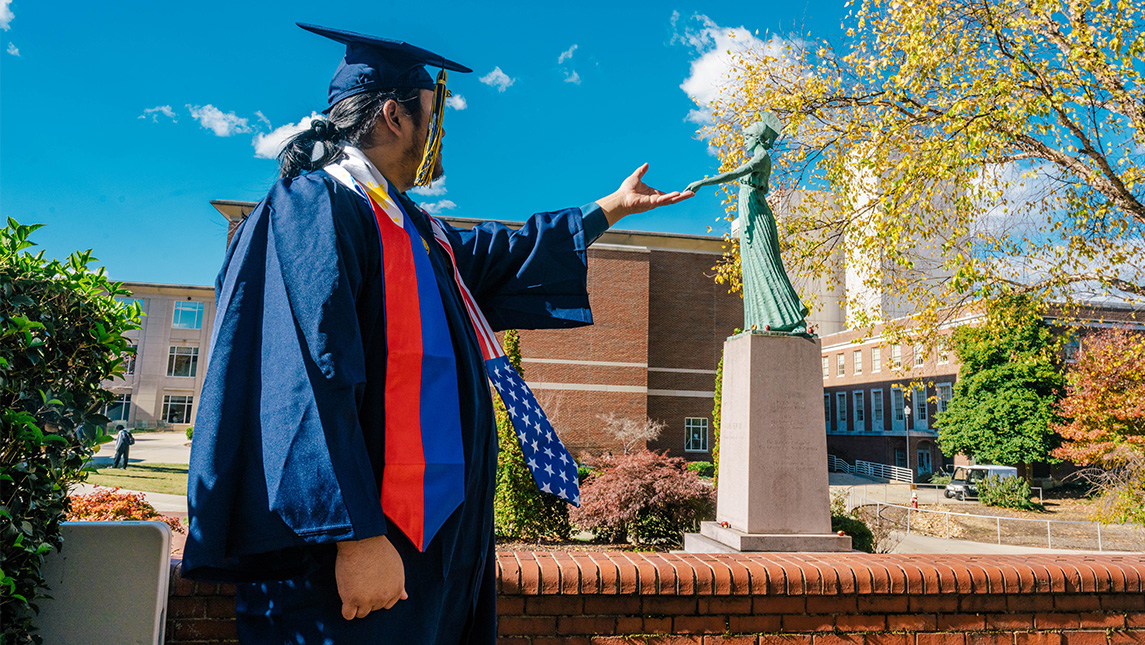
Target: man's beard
(413, 157)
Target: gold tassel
(432, 150)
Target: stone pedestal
(773, 491)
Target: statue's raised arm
(770, 303)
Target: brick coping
(540, 573)
(618, 573)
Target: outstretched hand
(694, 186)
(634, 196)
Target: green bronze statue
(770, 304)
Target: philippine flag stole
(423, 480)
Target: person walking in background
(123, 443)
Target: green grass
(148, 477)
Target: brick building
(880, 399)
(162, 381)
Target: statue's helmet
(766, 128)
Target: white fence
(870, 469)
(1059, 534)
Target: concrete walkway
(154, 447)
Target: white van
(964, 482)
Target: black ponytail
(351, 122)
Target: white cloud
(498, 79)
(435, 189)
(262, 117)
(12, 49)
(456, 102)
(267, 146)
(6, 17)
(573, 78)
(566, 55)
(223, 124)
(715, 47)
(154, 113)
(433, 208)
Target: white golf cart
(964, 482)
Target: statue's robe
(289, 435)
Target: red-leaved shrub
(646, 495)
(108, 504)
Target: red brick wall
(690, 317)
(781, 599)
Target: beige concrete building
(163, 380)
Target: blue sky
(119, 121)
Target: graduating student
(345, 452)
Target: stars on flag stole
(423, 479)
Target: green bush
(861, 537)
(190, 432)
(61, 336)
(520, 511)
(717, 409)
(940, 480)
(702, 468)
(583, 472)
(1007, 492)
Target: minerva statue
(770, 303)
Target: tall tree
(964, 148)
(1104, 421)
(1009, 383)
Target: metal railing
(870, 469)
(1016, 531)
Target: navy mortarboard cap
(373, 63)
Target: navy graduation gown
(289, 436)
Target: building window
(876, 359)
(860, 412)
(896, 356)
(897, 404)
(177, 409)
(826, 367)
(945, 393)
(129, 359)
(858, 361)
(919, 402)
(188, 315)
(1071, 348)
(877, 408)
(841, 404)
(944, 350)
(183, 361)
(919, 355)
(827, 410)
(840, 365)
(696, 434)
(900, 458)
(119, 409)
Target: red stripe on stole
(403, 479)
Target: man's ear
(392, 120)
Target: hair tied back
(323, 129)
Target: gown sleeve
(279, 462)
(534, 277)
